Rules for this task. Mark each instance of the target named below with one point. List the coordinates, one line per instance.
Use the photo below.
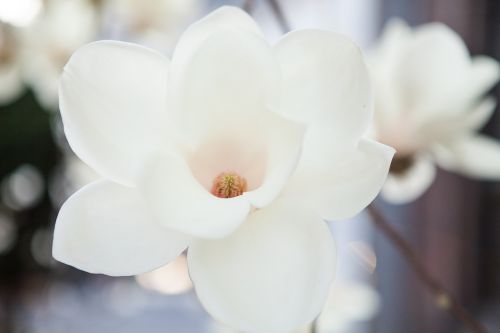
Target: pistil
(229, 185)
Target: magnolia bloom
(234, 148)
(429, 105)
(58, 31)
(11, 84)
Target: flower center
(229, 185)
(400, 164)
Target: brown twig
(280, 15)
(443, 299)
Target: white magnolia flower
(61, 28)
(429, 105)
(201, 151)
(11, 84)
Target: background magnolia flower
(155, 23)
(429, 105)
(225, 150)
(49, 41)
(11, 84)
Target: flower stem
(443, 299)
(280, 16)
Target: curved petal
(180, 202)
(282, 258)
(105, 228)
(447, 128)
(284, 144)
(396, 32)
(232, 74)
(484, 74)
(113, 100)
(405, 188)
(342, 187)
(428, 81)
(382, 62)
(473, 155)
(325, 83)
(479, 116)
(198, 32)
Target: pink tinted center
(228, 167)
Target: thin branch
(442, 298)
(280, 15)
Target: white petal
(477, 118)
(428, 81)
(198, 32)
(180, 202)
(448, 127)
(325, 83)
(405, 188)
(271, 275)
(396, 33)
(382, 62)
(484, 74)
(105, 228)
(340, 188)
(473, 155)
(283, 146)
(113, 100)
(232, 75)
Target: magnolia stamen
(229, 185)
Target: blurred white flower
(19, 12)
(58, 31)
(11, 83)
(235, 148)
(155, 23)
(348, 302)
(429, 105)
